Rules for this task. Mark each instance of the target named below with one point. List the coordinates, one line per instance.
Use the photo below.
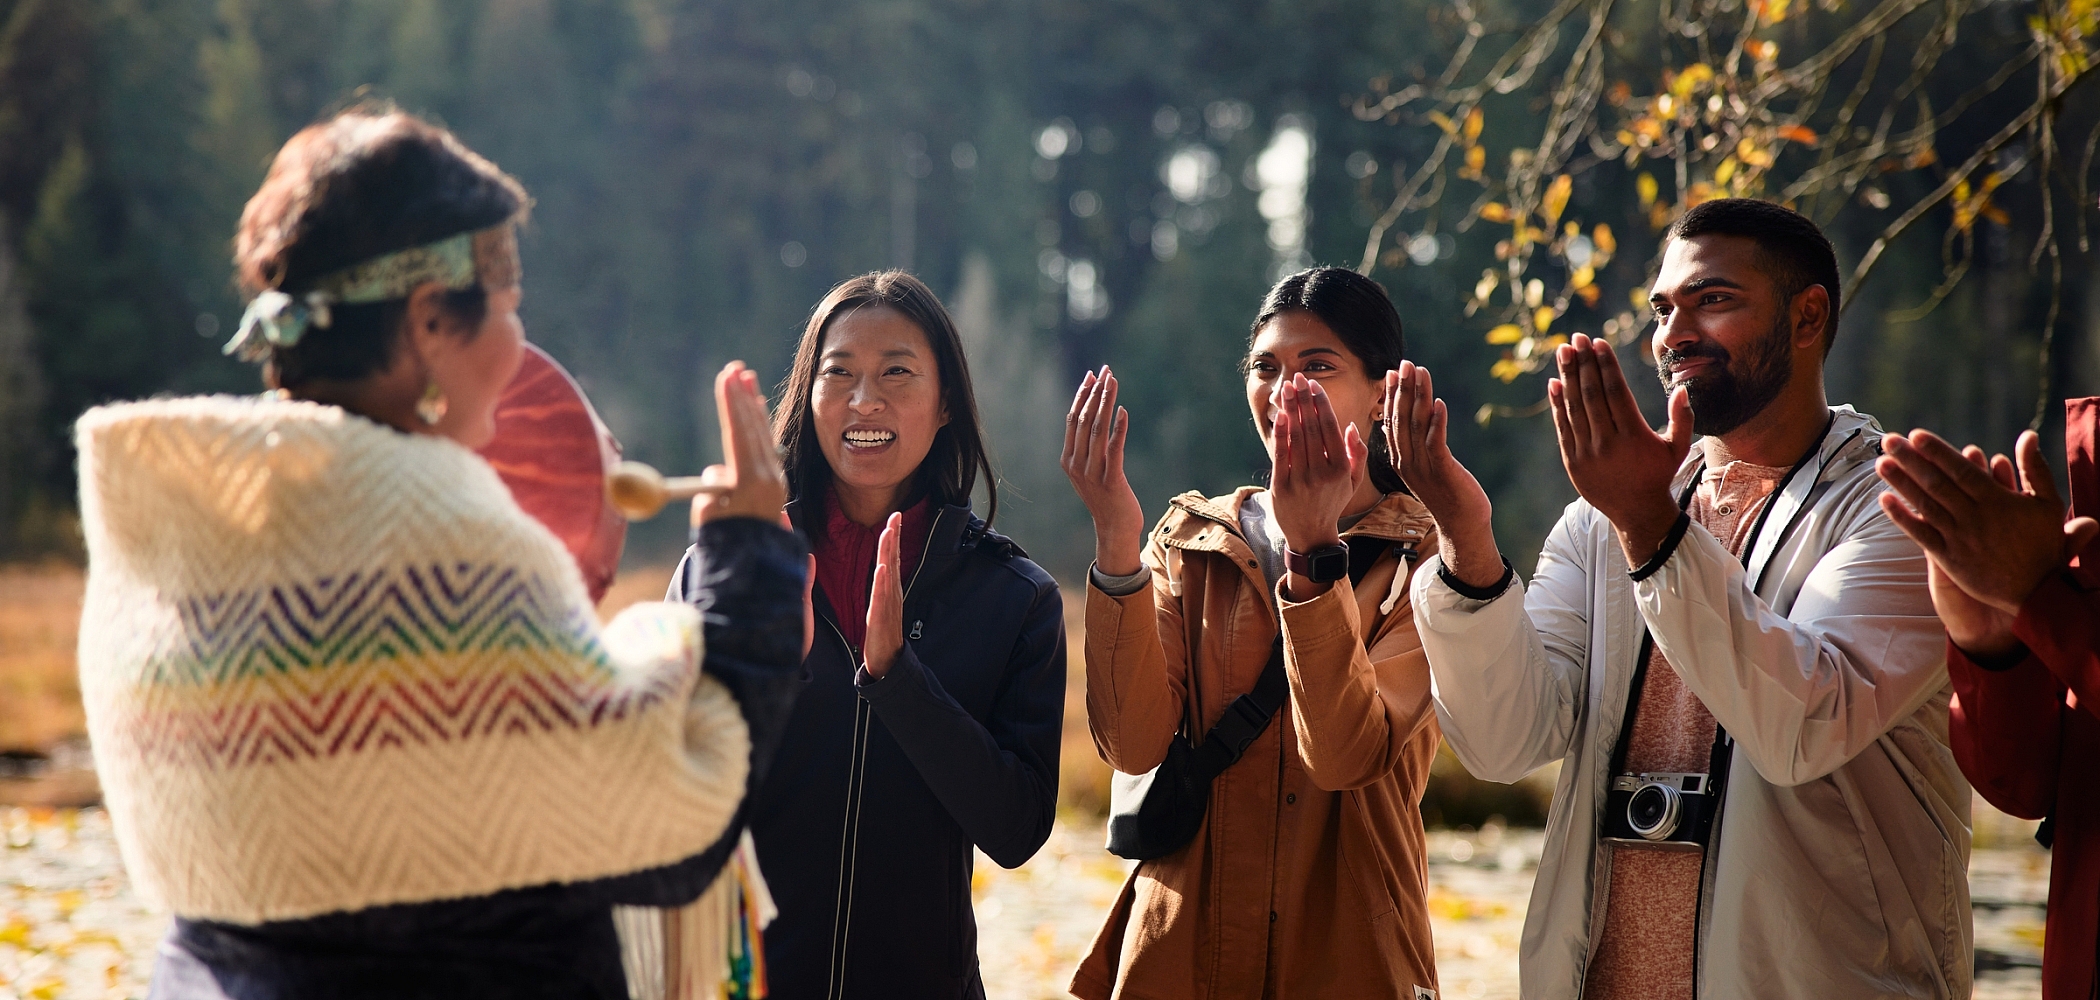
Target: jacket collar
(955, 530)
(1211, 524)
(1852, 442)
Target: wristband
(1665, 550)
(1472, 593)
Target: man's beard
(1725, 397)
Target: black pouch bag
(1154, 814)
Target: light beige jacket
(1839, 865)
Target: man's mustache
(1667, 356)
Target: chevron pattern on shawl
(329, 666)
(372, 660)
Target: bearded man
(1727, 644)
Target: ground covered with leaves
(71, 926)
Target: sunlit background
(1114, 181)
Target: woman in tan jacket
(1307, 876)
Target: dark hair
(368, 181)
(1791, 248)
(958, 456)
(1359, 311)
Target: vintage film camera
(1662, 809)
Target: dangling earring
(431, 408)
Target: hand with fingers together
(1616, 461)
(1318, 467)
(1992, 530)
(1095, 430)
(1416, 425)
(757, 483)
(886, 602)
(757, 486)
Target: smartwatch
(1324, 565)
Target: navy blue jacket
(553, 942)
(880, 789)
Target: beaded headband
(276, 319)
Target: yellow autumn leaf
(1752, 155)
(1542, 318)
(1494, 211)
(1601, 236)
(1476, 159)
(1486, 286)
(1556, 200)
(1443, 121)
(1474, 121)
(1772, 11)
(1506, 334)
(1506, 369)
(1648, 189)
(1583, 277)
(1590, 294)
(1693, 77)
(1798, 133)
(1723, 172)
(1701, 192)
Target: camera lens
(1652, 812)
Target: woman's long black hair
(949, 473)
(1362, 315)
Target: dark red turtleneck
(846, 561)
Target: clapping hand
(1616, 461)
(1416, 425)
(1319, 467)
(1095, 429)
(750, 469)
(757, 484)
(1993, 531)
(885, 602)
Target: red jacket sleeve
(2060, 623)
(2006, 728)
(2006, 725)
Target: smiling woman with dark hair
(1264, 638)
(929, 722)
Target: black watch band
(1322, 565)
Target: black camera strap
(1717, 763)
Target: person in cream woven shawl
(356, 722)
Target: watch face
(1329, 565)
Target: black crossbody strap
(1244, 720)
(1249, 714)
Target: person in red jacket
(2018, 588)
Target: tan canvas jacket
(1307, 878)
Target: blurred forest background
(1108, 181)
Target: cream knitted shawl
(328, 666)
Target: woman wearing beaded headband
(356, 722)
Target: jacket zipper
(856, 780)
